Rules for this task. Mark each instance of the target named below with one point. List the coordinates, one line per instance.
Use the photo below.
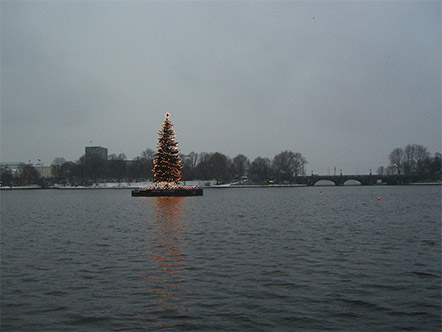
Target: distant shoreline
(234, 186)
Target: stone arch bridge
(365, 180)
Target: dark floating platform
(167, 192)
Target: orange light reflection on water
(166, 251)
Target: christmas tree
(167, 168)
(167, 164)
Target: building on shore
(44, 171)
(15, 168)
(97, 151)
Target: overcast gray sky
(344, 83)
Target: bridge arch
(352, 182)
(324, 182)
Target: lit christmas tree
(167, 164)
(167, 168)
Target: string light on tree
(167, 163)
(167, 168)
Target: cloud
(340, 82)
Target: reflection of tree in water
(165, 250)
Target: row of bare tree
(414, 159)
(284, 167)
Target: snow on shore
(109, 185)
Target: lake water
(269, 259)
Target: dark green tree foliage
(167, 164)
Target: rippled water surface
(265, 259)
